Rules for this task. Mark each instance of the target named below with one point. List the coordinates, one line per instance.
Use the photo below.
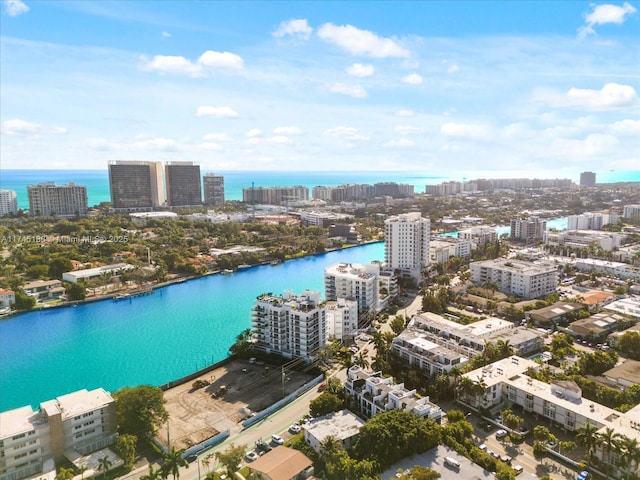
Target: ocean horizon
(97, 181)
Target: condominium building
(529, 230)
(607, 241)
(516, 277)
(290, 326)
(48, 199)
(213, 186)
(506, 383)
(407, 244)
(631, 213)
(479, 236)
(342, 318)
(8, 203)
(441, 249)
(374, 394)
(136, 185)
(354, 281)
(62, 429)
(590, 220)
(274, 195)
(413, 348)
(588, 179)
(183, 184)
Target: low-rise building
(44, 289)
(282, 463)
(7, 297)
(479, 236)
(595, 327)
(374, 393)
(629, 306)
(106, 271)
(584, 238)
(441, 249)
(343, 426)
(626, 374)
(555, 314)
(516, 277)
(614, 339)
(75, 424)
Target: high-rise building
(8, 202)
(275, 195)
(136, 186)
(183, 184)
(588, 179)
(530, 230)
(354, 281)
(631, 213)
(49, 199)
(213, 189)
(406, 248)
(290, 326)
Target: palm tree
(630, 453)
(361, 361)
(83, 468)
(505, 349)
(152, 475)
(609, 440)
(171, 463)
(104, 464)
(588, 436)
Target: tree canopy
(324, 404)
(140, 410)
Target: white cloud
(274, 140)
(179, 65)
(221, 60)
(298, 28)
(254, 132)
(287, 131)
(210, 146)
(218, 112)
(401, 143)
(350, 133)
(156, 144)
(166, 35)
(612, 95)
(361, 42)
(359, 70)
(15, 7)
(463, 130)
(99, 144)
(599, 144)
(17, 127)
(355, 91)
(408, 130)
(216, 137)
(603, 14)
(404, 113)
(413, 79)
(626, 127)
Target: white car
(277, 439)
(295, 428)
(251, 456)
(518, 469)
(501, 433)
(482, 446)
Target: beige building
(344, 426)
(44, 289)
(282, 463)
(516, 277)
(7, 297)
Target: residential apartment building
(136, 186)
(274, 195)
(530, 230)
(374, 394)
(7, 297)
(631, 213)
(44, 289)
(441, 249)
(344, 426)
(560, 402)
(590, 221)
(342, 318)
(8, 203)
(48, 199)
(588, 179)
(413, 347)
(357, 282)
(607, 241)
(620, 270)
(516, 277)
(213, 186)
(183, 184)
(479, 236)
(407, 244)
(68, 426)
(290, 326)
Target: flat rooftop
(18, 420)
(340, 425)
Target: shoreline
(166, 283)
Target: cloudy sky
(419, 86)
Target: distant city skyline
(293, 86)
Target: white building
(529, 230)
(590, 221)
(479, 236)
(584, 238)
(507, 384)
(8, 202)
(290, 326)
(441, 249)
(87, 274)
(343, 426)
(374, 394)
(48, 199)
(407, 244)
(342, 318)
(631, 212)
(602, 267)
(7, 297)
(516, 277)
(75, 424)
(44, 289)
(355, 281)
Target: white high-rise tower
(406, 239)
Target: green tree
(58, 266)
(24, 301)
(140, 410)
(397, 324)
(420, 473)
(104, 464)
(75, 291)
(610, 440)
(505, 475)
(153, 474)
(361, 360)
(171, 463)
(587, 436)
(125, 446)
(82, 468)
(629, 345)
(64, 474)
(231, 457)
(324, 404)
(630, 454)
(243, 346)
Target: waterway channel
(149, 339)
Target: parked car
(501, 433)
(518, 468)
(251, 456)
(295, 428)
(262, 447)
(277, 439)
(482, 446)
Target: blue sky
(513, 86)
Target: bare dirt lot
(196, 414)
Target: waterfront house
(44, 289)
(7, 298)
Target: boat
(275, 262)
(227, 271)
(120, 296)
(243, 266)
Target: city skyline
(434, 86)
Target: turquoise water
(150, 339)
(97, 181)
